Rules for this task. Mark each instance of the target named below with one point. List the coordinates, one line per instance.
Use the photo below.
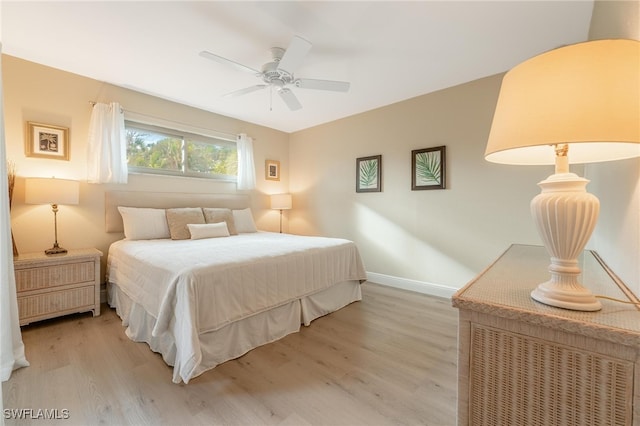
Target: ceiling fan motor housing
(272, 75)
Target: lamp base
(568, 296)
(56, 249)
(565, 215)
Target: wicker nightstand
(524, 363)
(52, 286)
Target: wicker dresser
(51, 286)
(524, 363)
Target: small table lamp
(52, 191)
(281, 202)
(581, 102)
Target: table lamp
(52, 191)
(575, 104)
(281, 202)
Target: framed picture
(47, 141)
(369, 174)
(272, 170)
(428, 168)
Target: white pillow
(243, 220)
(142, 223)
(208, 230)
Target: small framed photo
(369, 174)
(47, 141)
(428, 168)
(272, 170)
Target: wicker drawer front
(521, 380)
(55, 301)
(52, 276)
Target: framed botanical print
(47, 141)
(272, 170)
(369, 174)
(428, 168)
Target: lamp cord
(600, 296)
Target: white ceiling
(389, 50)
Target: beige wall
(33, 92)
(442, 237)
(420, 238)
(615, 19)
(617, 234)
(617, 184)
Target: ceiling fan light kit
(278, 74)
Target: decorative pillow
(142, 223)
(215, 215)
(208, 230)
(178, 219)
(243, 220)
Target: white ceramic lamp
(575, 104)
(52, 191)
(281, 202)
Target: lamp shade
(51, 191)
(585, 95)
(281, 201)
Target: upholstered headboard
(164, 200)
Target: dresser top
(35, 258)
(504, 289)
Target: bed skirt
(236, 338)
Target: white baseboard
(412, 285)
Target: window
(152, 149)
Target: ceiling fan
(278, 74)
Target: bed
(224, 290)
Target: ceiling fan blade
(310, 83)
(290, 99)
(225, 61)
(294, 55)
(245, 90)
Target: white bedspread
(197, 286)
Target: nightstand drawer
(50, 286)
(52, 276)
(54, 303)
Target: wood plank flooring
(387, 360)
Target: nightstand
(522, 362)
(56, 285)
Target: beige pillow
(178, 219)
(216, 215)
(208, 230)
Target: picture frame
(272, 170)
(47, 141)
(369, 174)
(428, 168)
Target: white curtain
(246, 167)
(107, 145)
(11, 346)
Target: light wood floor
(387, 360)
